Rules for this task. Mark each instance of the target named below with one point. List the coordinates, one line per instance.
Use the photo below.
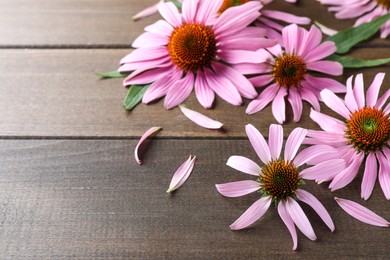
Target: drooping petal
(298, 216)
(200, 119)
(335, 103)
(179, 91)
(369, 177)
(373, 90)
(313, 202)
(288, 222)
(384, 174)
(238, 188)
(275, 140)
(348, 174)
(244, 165)
(309, 96)
(182, 174)
(203, 92)
(148, 133)
(279, 106)
(293, 143)
(253, 213)
(295, 101)
(259, 144)
(361, 213)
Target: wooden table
(69, 184)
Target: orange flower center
(192, 46)
(229, 3)
(289, 71)
(368, 130)
(384, 3)
(279, 179)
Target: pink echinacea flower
(363, 134)
(278, 180)
(195, 49)
(287, 73)
(366, 10)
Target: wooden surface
(69, 185)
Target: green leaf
(134, 96)
(111, 74)
(350, 62)
(345, 40)
(177, 3)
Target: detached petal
(200, 119)
(146, 12)
(238, 188)
(148, 133)
(182, 174)
(361, 213)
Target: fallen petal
(148, 133)
(182, 174)
(200, 119)
(361, 213)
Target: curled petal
(238, 188)
(362, 213)
(288, 222)
(148, 133)
(244, 165)
(200, 119)
(182, 174)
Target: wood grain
(55, 93)
(89, 199)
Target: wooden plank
(89, 199)
(105, 22)
(53, 93)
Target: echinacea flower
(196, 49)
(287, 73)
(366, 10)
(278, 181)
(363, 134)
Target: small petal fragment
(182, 174)
(200, 119)
(148, 133)
(362, 213)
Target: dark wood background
(69, 184)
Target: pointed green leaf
(351, 62)
(345, 40)
(111, 74)
(134, 96)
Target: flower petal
(146, 12)
(238, 188)
(275, 140)
(369, 177)
(182, 174)
(335, 103)
(296, 103)
(313, 202)
(327, 123)
(384, 174)
(148, 133)
(373, 90)
(244, 165)
(203, 92)
(262, 100)
(200, 119)
(279, 106)
(179, 91)
(361, 213)
(348, 174)
(298, 216)
(358, 90)
(253, 213)
(293, 143)
(170, 13)
(312, 152)
(259, 144)
(350, 100)
(324, 171)
(288, 222)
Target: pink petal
(327, 67)
(309, 96)
(150, 40)
(296, 103)
(369, 177)
(350, 100)
(327, 123)
(279, 106)
(335, 103)
(207, 11)
(179, 91)
(285, 17)
(182, 174)
(238, 188)
(313, 202)
(145, 77)
(384, 174)
(290, 34)
(160, 87)
(262, 100)
(144, 54)
(329, 138)
(203, 92)
(146, 12)
(308, 154)
(382, 100)
(358, 91)
(361, 213)
(170, 13)
(323, 50)
(241, 56)
(260, 81)
(310, 41)
(160, 27)
(148, 133)
(323, 83)
(275, 140)
(299, 218)
(200, 119)
(324, 171)
(252, 68)
(346, 176)
(325, 30)
(253, 213)
(259, 144)
(189, 9)
(293, 143)
(373, 90)
(288, 222)
(244, 165)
